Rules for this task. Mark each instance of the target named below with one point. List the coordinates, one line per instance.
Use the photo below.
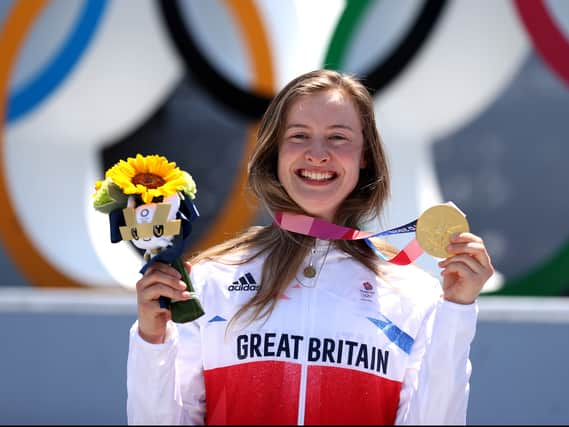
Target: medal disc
(436, 225)
(309, 272)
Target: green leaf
(190, 188)
(109, 198)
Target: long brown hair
(364, 203)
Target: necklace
(310, 272)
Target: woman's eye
(298, 138)
(338, 138)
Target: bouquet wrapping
(149, 202)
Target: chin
(318, 213)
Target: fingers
(461, 263)
(467, 268)
(152, 293)
(164, 268)
(161, 280)
(470, 244)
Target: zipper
(308, 326)
(304, 358)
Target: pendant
(309, 272)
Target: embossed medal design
(436, 225)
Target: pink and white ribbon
(321, 229)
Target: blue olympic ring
(32, 94)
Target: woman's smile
(316, 177)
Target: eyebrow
(300, 125)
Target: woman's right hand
(159, 279)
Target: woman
(301, 330)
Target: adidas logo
(244, 283)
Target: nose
(317, 153)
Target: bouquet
(149, 203)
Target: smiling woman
(342, 345)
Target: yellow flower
(150, 176)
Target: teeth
(317, 176)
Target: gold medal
(436, 225)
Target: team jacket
(347, 347)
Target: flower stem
(187, 310)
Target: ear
(363, 163)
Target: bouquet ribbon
(321, 229)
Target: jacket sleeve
(436, 384)
(165, 381)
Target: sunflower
(150, 176)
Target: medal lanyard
(321, 229)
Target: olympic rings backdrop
(472, 101)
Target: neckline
(321, 245)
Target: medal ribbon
(321, 229)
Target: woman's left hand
(466, 270)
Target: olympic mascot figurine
(149, 203)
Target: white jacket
(353, 349)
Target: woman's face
(320, 153)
